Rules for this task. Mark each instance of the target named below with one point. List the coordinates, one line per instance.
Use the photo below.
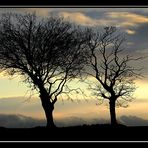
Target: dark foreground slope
(77, 133)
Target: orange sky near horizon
(14, 91)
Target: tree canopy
(46, 51)
(111, 67)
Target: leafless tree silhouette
(111, 68)
(48, 52)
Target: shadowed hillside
(76, 133)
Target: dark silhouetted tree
(112, 68)
(48, 52)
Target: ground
(77, 133)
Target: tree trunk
(48, 108)
(112, 112)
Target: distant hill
(21, 121)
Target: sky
(133, 22)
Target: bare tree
(111, 68)
(48, 52)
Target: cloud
(128, 18)
(85, 20)
(22, 105)
(130, 43)
(33, 107)
(70, 121)
(19, 121)
(127, 21)
(142, 51)
(44, 12)
(75, 121)
(92, 16)
(131, 32)
(133, 121)
(121, 19)
(79, 18)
